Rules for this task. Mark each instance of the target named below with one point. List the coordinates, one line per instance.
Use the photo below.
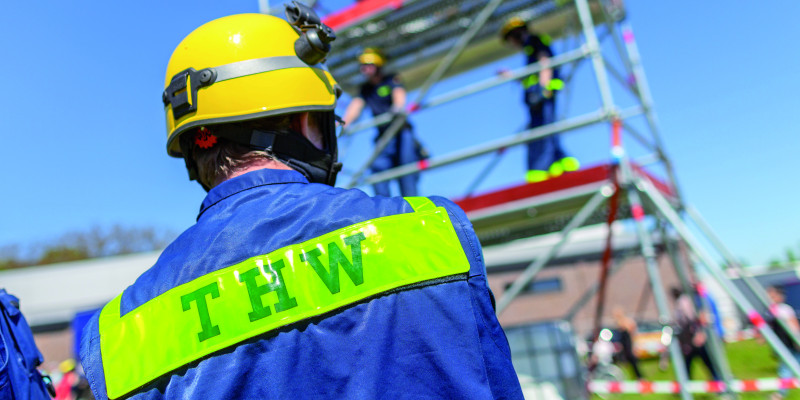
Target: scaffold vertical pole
(605, 263)
(714, 270)
(646, 100)
(593, 44)
(718, 357)
(649, 254)
(646, 244)
(612, 30)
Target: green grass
(748, 359)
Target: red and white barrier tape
(738, 386)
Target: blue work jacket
(436, 340)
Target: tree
(9, 257)
(92, 243)
(790, 257)
(59, 254)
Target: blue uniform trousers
(400, 151)
(545, 151)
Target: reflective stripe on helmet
(270, 291)
(257, 66)
(209, 76)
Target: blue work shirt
(436, 341)
(379, 98)
(534, 49)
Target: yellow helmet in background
(374, 56)
(66, 365)
(511, 24)
(238, 68)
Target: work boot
(536, 175)
(569, 164)
(555, 169)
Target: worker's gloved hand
(536, 94)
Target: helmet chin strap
(298, 153)
(292, 149)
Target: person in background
(627, 331)
(691, 336)
(69, 378)
(782, 312)
(384, 93)
(546, 157)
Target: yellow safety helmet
(511, 24)
(239, 68)
(66, 365)
(371, 55)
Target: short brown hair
(217, 163)
(221, 160)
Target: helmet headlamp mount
(313, 44)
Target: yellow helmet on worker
(372, 55)
(243, 67)
(510, 25)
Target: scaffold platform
(416, 34)
(532, 209)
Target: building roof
(587, 242)
(53, 294)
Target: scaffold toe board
(532, 209)
(416, 34)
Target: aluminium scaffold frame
(640, 192)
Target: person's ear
(309, 128)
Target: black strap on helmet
(292, 149)
(297, 152)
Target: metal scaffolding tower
(429, 40)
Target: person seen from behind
(286, 286)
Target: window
(539, 286)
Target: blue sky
(83, 139)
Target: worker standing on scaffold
(384, 93)
(546, 158)
(287, 287)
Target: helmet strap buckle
(181, 93)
